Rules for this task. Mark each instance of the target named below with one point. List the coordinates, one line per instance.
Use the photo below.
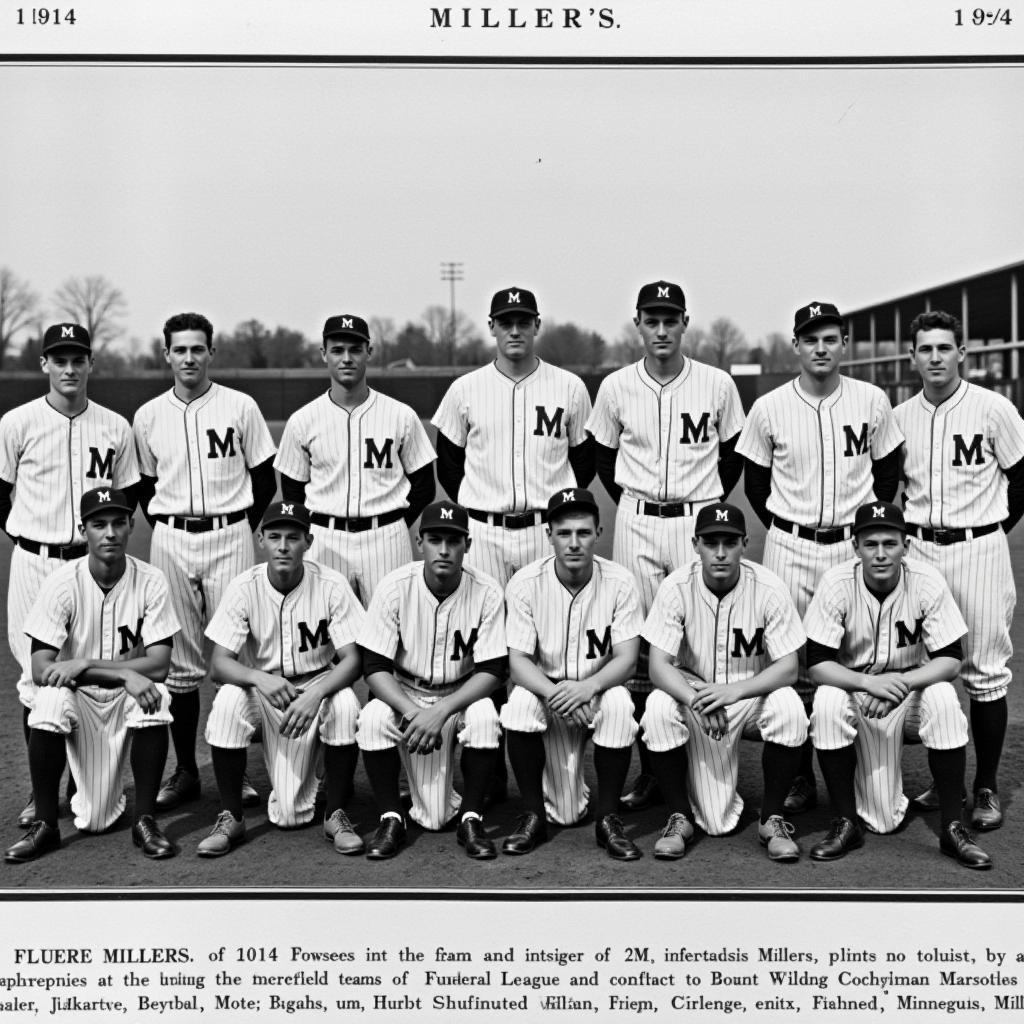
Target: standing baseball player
(884, 642)
(725, 638)
(573, 631)
(666, 429)
(816, 449)
(964, 468)
(52, 450)
(433, 650)
(360, 461)
(297, 621)
(101, 632)
(206, 458)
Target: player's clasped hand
(887, 686)
(300, 715)
(64, 673)
(277, 690)
(571, 701)
(144, 690)
(422, 731)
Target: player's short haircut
(936, 320)
(188, 322)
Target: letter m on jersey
(694, 432)
(550, 425)
(221, 449)
(599, 647)
(463, 648)
(130, 639)
(101, 467)
(382, 455)
(904, 637)
(963, 452)
(317, 638)
(742, 647)
(856, 444)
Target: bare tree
(437, 321)
(18, 307)
(94, 303)
(382, 337)
(777, 355)
(723, 345)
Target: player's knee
(373, 726)
(481, 729)
(833, 721)
(662, 724)
(53, 710)
(523, 712)
(228, 725)
(943, 723)
(339, 718)
(614, 725)
(783, 719)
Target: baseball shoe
(387, 840)
(477, 842)
(250, 798)
(146, 834)
(842, 837)
(929, 800)
(338, 830)
(39, 839)
(611, 838)
(180, 788)
(225, 835)
(530, 830)
(28, 813)
(988, 812)
(777, 835)
(674, 837)
(645, 793)
(802, 796)
(958, 843)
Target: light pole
(451, 272)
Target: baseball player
(433, 649)
(100, 632)
(884, 642)
(52, 450)
(964, 469)
(360, 461)
(725, 637)
(206, 458)
(573, 631)
(666, 429)
(297, 621)
(815, 450)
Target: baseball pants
(364, 558)
(501, 553)
(28, 572)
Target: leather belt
(510, 520)
(829, 535)
(201, 525)
(65, 553)
(669, 509)
(356, 524)
(956, 536)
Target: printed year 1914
(46, 16)
(983, 16)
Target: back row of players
(668, 440)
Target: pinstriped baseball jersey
(820, 450)
(517, 434)
(435, 644)
(355, 462)
(667, 434)
(200, 451)
(954, 456)
(52, 459)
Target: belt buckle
(517, 520)
(942, 537)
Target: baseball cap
(286, 512)
(720, 518)
(815, 313)
(879, 513)
(661, 293)
(346, 323)
(570, 500)
(104, 499)
(444, 515)
(514, 300)
(66, 336)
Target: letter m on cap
(346, 321)
(287, 510)
(103, 496)
(568, 495)
(67, 332)
(513, 297)
(721, 515)
(662, 292)
(814, 310)
(877, 512)
(447, 513)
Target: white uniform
(435, 647)
(356, 465)
(75, 616)
(668, 437)
(52, 459)
(723, 641)
(517, 435)
(571, 636)
(294, 636)
(200, 453)
(919, 616)
(954, 460)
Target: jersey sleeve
(755, 441)
(1007, 433)
(943, 622)
(580, 414)
(160, 621)
(10, 448)
(450, 417)
(665, 626)
(731, 418)
(49, 619)
(381, 628)
(825, 620)
(292, 456)
(886, 436)
(126, 463)
(257, 442)
(520, 626)
(627, 616)
(143, 451)
(229, 625)
(604, 422)
(416, 450)
(784, 632)
(490, 639)
(347, 616)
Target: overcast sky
(288, 194)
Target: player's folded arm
(154, 664)
(620, 667)
(943, 666)
(524, 671)
(781, 672)
(675, 680)
(379, 673)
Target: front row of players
(883, 634)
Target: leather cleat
(674, 836)
(474, 838)
(338, 830)
(929, 800)
(226, 834)
(387, 840)
(39, 839)
(842, 837)
(611, 838)
(988, 811)
(802, 796)
(777, 835)
(28, 812)
(146, 834)
(530, 831)
(250, 798)
(645, 793)
(958, 843)
(179, 789)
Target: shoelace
(225, 821)
(781, 828)
(676, 826)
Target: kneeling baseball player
(433, 650)
(297, 622)
(885, 642)
(725, 641)
(101, 631)
(573, 631)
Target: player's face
(937, 357)
(189, 357)
(720, 555)
(661, 331)
(820, 350)
(880, 552)
(573, 537)
(68, 370)
(285, 545)
(107, 535)
(515, 334)
(443, 552)
(346, 358)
